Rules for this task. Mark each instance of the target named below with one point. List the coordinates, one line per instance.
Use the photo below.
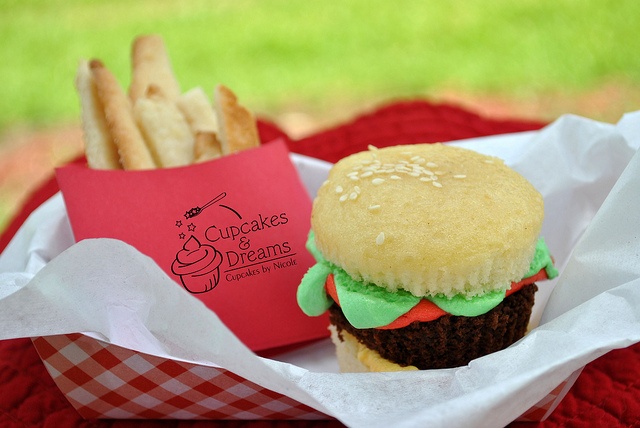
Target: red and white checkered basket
(107, 381)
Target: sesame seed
(394, 177)
(380, 238)
(353, 195)
(356, 189)
(459, 176)
(354, 177)
(377, 181)
(374, 207)
(432, 165)
(339, 189)
(425, 179)
(366, 174)
(436, 183)
(344, 197)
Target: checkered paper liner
(106, 381)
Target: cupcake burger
(427, 257)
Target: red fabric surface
(606, 394)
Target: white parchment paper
(589, 175)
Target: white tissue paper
(589, 175)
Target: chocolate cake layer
(449, 341)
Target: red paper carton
(231, 231)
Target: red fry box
(231, 231)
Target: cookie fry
(151, 66)
(237, 126)
(197, 109)
(132, 148)
(207, 147)
(165, 129)
(100, 150)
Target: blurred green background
(296, 61)
(283, 55)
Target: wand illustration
(197, 210)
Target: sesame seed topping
(394, 177)
(373, 207)
(366, 174)
(459, 176)
(436, 183)
(377, 181)
(356, 189)
(353, 195)
(344, 197)
(432, 165)
(339, 189)
(380, 238)
(425, 179)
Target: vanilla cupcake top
(428, 218)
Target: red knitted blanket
(607, 393)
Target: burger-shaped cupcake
(427, 257)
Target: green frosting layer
(369, 306)
(313, 300)
(462, 306)
(542, 260)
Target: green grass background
(285, 54)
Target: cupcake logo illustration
(196, 264)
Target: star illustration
(191, 227)
(179, 223)
(181, 235)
